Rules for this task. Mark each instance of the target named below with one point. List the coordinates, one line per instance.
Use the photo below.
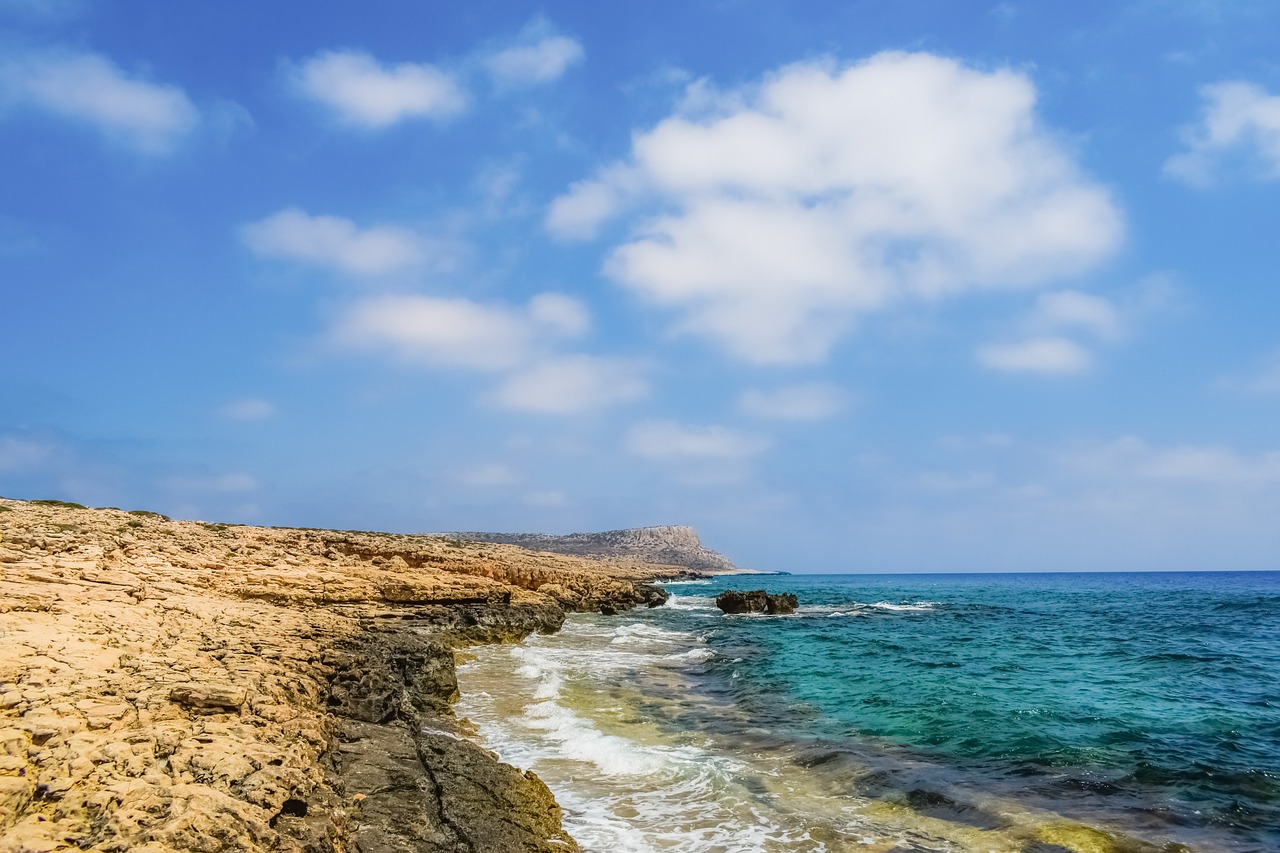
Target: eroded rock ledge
(187, 686)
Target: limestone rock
(208, 698)
(181, 686)
(666, 544)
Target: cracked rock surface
(174, 686)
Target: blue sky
(873, 286)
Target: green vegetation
(4, 508)
(146, 513)
(63, 504)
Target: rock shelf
(171, 686)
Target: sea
(1027, 713)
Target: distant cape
(670, 545)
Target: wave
(639, 632)
(691, 602)
(700, 654)
(918, 607)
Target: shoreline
(172, 685)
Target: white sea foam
(624, 784)
(691, 602)
(640, 632)
(919, 606)
(692, 654)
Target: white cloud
(249, 409)
(540, 57)
(667, 439)
(571, 384)
(562, 314)
(90, 88)
(520, 343)
(1071, 309)
(813, 401)
(334, 242)
(1133, 459)
(578, 214)
(826, 192)
(438, 331)
(1240, 122)
(1036, 355)
(1044, 348)
(363, 92)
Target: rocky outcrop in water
(670, 545)
(756, 601)
(171, 686)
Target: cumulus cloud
(814, 401)
(578, 214)
(362, 92)
(521, 343)
(562, 314)
(572, 384)
(787, 210)
(436, 331)
(1072, 309)
(335, 243)
(1036, 355)
(1240, 122)
(658, 439)
(90, 88)
(1044, 347)
(539, 56)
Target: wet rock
(652, 596)
(381, 676)
(491, 805)
(756, 601)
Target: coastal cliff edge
(176, 685)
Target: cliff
(668, 544)
(174, 686)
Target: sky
(921, 285)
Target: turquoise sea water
(1040, 713)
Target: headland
(178, 685)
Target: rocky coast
(176, 685)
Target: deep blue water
(1145, 702)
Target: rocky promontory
(175, 685)
(672, 545)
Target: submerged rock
(756, 601)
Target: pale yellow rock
(162, 683)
